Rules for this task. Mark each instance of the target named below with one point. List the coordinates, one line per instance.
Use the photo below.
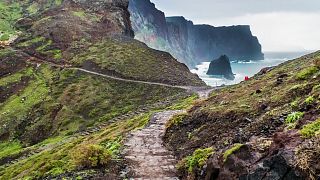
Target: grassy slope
(57, 103)
(286, 97)
(41, 108)
(79, 35)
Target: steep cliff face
(189, 43)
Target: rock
(221, 67)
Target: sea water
(241, 69)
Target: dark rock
(221, 67)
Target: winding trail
(145, 153)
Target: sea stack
(221, 67)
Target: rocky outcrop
(221, 67)
(189, 43)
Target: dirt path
(144, 151)
(147, 156)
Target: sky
(280, 25)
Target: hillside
(90, 35)
(264, 128)
(73, 84)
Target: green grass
(196, 160)
(9, 148)
(230, 151)
(9, 13)
(176, 120)
(307, 73)
(30, 42)
(136, 61)
(309, 100)
(293, 117)
(18, 106)
(80, 14)
(4, 37)
(33, 8)
(16, 77)
(184, 103)
(311, 130)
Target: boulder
(221, 67)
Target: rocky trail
(145, 153)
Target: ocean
(245, 68)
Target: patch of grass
(184, 103)
(30, 42)
(9, 148)
(33, 8)
(293, 117)
(17, 106)
(196, 160)
(16, 77)
(294, 104)
(4, 37)
(309, 100)
(176, 120)
(311, 130)
(9, 13)
(80, 14)
(307, 73)
(58, 2)
(6, 52)
(230, 151)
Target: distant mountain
(189, 43)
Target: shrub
(307, 73)
(91, 156)
(310, 130)
(196, 160)
(309, 100)
(293, 117)
(230, 151)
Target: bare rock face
(190, 43)
(221, 67)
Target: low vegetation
(293, 117)
(196, 160)
(135, 60)
(311, 130)
(176, 120)
(230, 151)
(90, 156)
